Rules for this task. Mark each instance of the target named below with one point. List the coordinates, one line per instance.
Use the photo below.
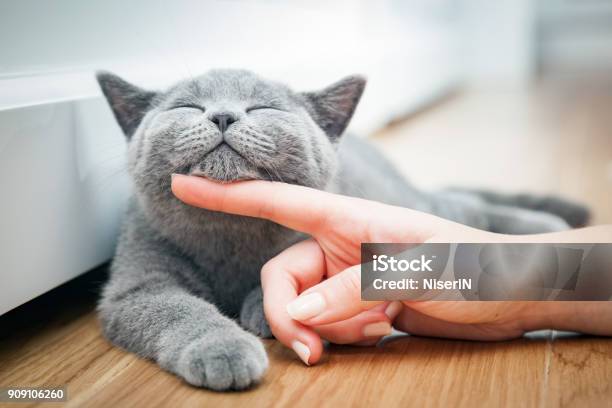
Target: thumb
(335, 299)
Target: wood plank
(580, 373)
(403, 371)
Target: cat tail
(575, 214)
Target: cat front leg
(184, 334)
(147, 309)
(252, 315)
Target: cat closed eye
(189, 106)
(261, 107)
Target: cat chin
(224, 178)
(225, 164)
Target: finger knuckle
(351, 281)
(269, 268)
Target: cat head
(231, 125)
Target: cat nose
(223, 120)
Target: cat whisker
(280, 178)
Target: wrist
(585, 317)
(542, 315)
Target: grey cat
(184, 287)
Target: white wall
(498, 44)
(408, 57)
(575, 38)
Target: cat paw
(576, 215)
(252, 315)
(224, 361)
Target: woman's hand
(312, 289)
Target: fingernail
(306, 307)
(301, 350)
(377, 329)
(393, 309)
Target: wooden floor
(556, 138)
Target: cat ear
(128, 102)
(333, 107)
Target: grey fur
(576, 215)
(252, 315)
(184, 280)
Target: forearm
(584, 317)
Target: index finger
(299, 208)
